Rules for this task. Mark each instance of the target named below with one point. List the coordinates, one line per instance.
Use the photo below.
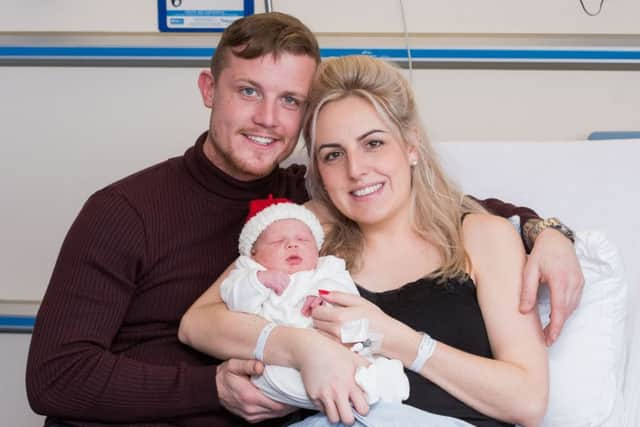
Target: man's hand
(275, 280)
(553, 261)
(240, 396)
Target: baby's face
(286, 245)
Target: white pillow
(586, 363)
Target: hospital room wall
(353, 16)
(503, 102)
(69, 130)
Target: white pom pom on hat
(264, 212)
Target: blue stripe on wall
(17, 323)
(517, 55)
(494, 54)
(103, 52)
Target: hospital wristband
(258, 352)
(425, 351)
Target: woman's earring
(413, 161)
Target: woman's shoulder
(491, 243)
(482, 231)
(484, 224)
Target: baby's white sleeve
(332, 275)
(241, 290)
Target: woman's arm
(210, 327)
(513, 386)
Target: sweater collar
(218, 182)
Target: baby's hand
(274, 280)
(311, 302)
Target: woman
(425, 259)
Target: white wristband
(258, 352)
(425, 351)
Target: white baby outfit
(384, 380)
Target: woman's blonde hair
(437, 206)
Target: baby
(280, 276)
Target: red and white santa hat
(264, 212)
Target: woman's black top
(448, 312)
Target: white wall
(79, 16)
(13, 395)
(503, 105)
(74, 130)
(353, 16)
(67, 131)
(465, 16)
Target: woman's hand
(328, 372)
(344, 308)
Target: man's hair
(262, 34)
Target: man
(105, 349)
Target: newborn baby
(280, 276)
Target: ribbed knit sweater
(104, 349)
(140, 252)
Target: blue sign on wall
(200, 15)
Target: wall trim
(614, 58)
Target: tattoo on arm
(530, 231)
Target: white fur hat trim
(260, 221)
